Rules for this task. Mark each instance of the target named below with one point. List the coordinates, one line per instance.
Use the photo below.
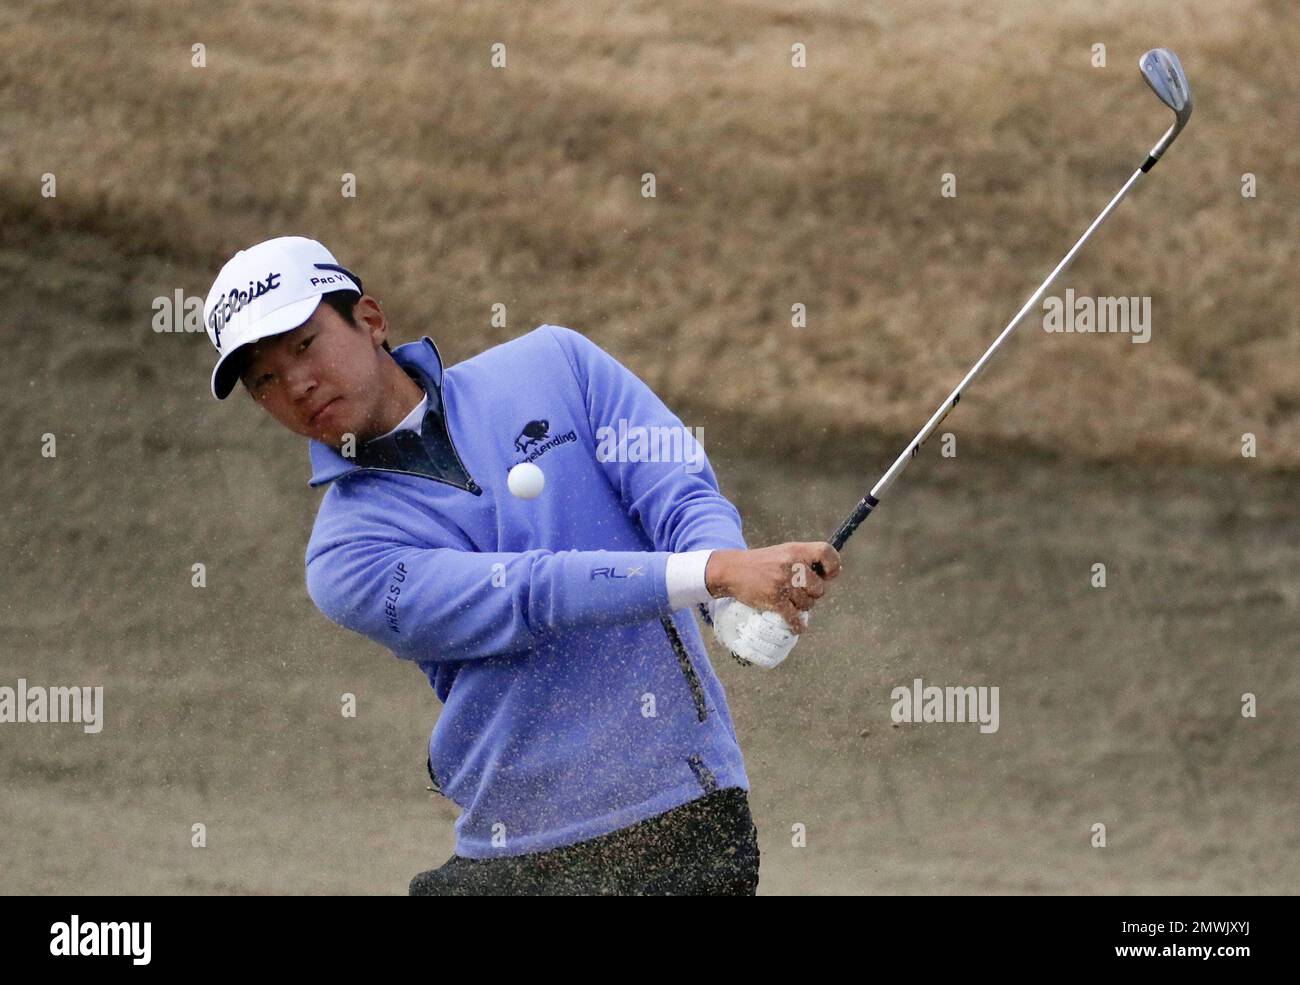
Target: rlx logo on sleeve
(631, 572)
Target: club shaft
(872, 499)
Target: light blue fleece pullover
(574, 701)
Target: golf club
(1164, 74)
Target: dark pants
(708, 847)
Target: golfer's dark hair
(343, 302)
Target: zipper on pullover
(409, 447)
(687, 668)
(703, 775)
(473, 486)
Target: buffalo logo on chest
(534, 433)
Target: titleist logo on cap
(226, 307)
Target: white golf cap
(266, 290)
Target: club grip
(850, 524)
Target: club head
(1164, 74)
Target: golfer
(583, 733)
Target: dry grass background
(775, 185)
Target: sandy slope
(1118, 705)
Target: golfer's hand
(753, 637)
(778, 579)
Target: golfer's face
(314, 379)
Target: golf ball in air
(526, 480)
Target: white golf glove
(753, 637)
